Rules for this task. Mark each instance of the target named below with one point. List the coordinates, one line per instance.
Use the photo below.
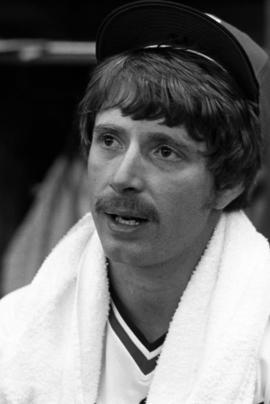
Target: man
(167, 299)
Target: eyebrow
(100, 128)
(155, 136)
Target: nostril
(129, 180)
(124, 188)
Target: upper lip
(125, 213)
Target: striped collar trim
(144, 357)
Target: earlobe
(225, 197)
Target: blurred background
(46, 56)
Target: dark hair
(182, 88)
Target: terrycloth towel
(51, 332)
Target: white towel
(51, 332)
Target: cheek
(99, 177)
(94, 177)
(187, 195)
(95, 169)
(92, 162)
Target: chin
(122, 255)
(127, 255)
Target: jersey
(128, 362)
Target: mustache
(138, 206)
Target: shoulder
(11, 311)
(56, 275)
(13, 301)
(263, 379)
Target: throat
(148, 311)
(151, 340)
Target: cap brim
(143, 23)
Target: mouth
(126, 220)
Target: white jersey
(128, 362)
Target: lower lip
(124, 228)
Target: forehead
(113, 119)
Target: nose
(127, 172)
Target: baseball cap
(143, 23)
(260, 62)
(155, 22)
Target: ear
(225, 197)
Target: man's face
(152, 196)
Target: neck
(151, 294)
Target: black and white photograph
(135, 202)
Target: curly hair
(182, 88)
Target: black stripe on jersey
(145, 365)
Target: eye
(108, 141)
(167, 153)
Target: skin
(164, 169)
